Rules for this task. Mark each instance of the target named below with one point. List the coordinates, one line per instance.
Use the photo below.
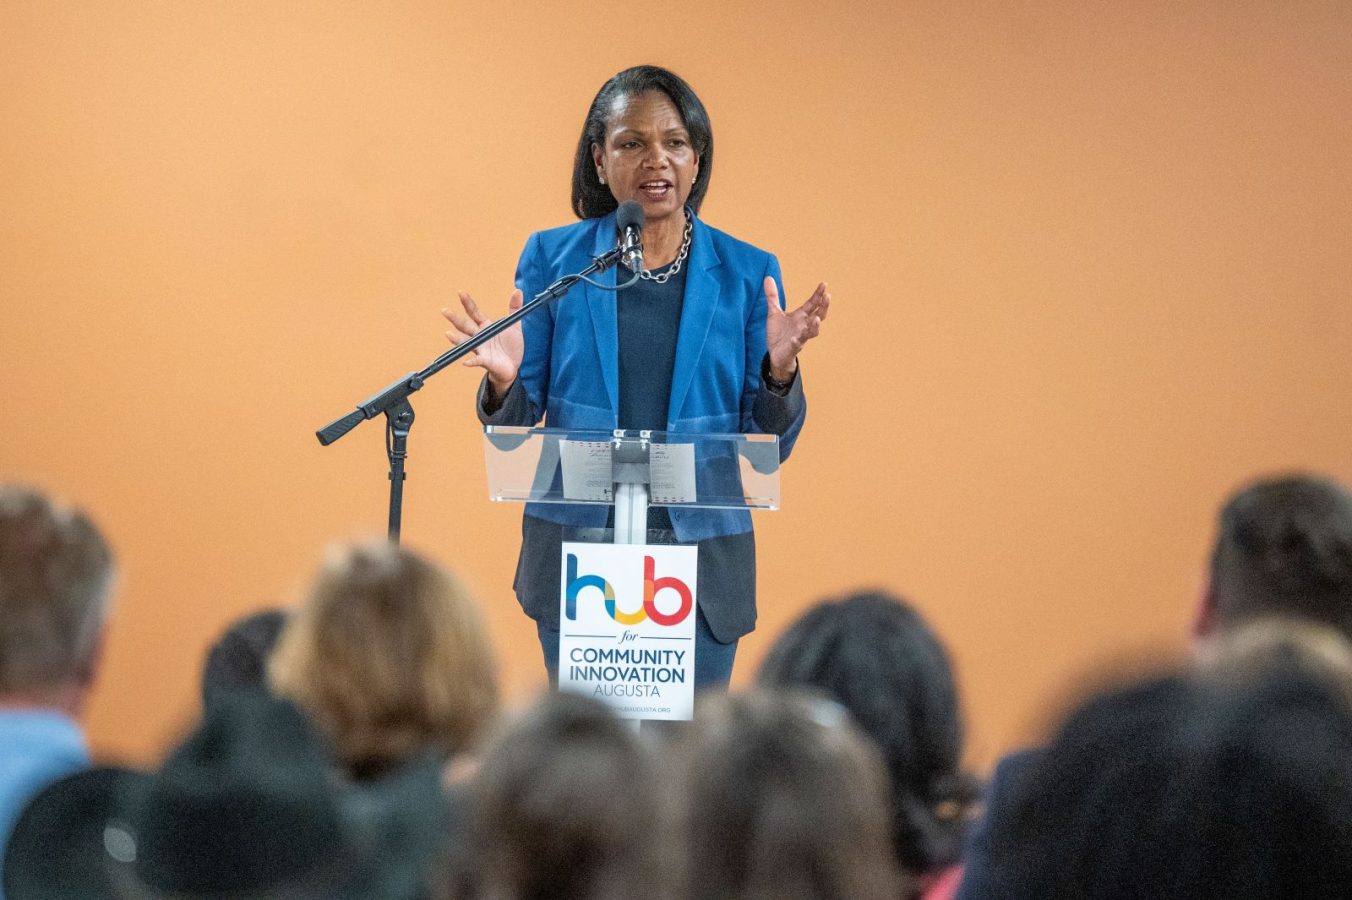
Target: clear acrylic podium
(632, 470)
(627, 607)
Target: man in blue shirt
(55, 579)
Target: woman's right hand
(500, 357)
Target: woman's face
(647, 155)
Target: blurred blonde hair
(389, 656)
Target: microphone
(629, 220)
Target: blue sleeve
(532, 277)
(527, 399)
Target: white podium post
(629, 464)
(629, 461)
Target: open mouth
(656, 189)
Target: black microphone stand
(393, 400)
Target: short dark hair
(780, 795)
(564, 807)
(591, 198)
(55, 577)
(238, 660)
(1187, 788)
(876, 656)
(1285, 548)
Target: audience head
(1284, 548)
(878, 658)
(564, 807)
(55, 580)
(1237, 787)
(780, 796)
(245, 808)
(239, 658)
(388, 654)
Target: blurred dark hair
(779, 797)
(564, 807)
(1187, 788)
(239, 658)
(591, 198)
(876, 656)
(1285, 548)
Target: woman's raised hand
(787, 332)
(500, 357)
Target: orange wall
(1090, 264)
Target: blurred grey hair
(56, 574)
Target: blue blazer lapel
(601, 305)
(697, 312)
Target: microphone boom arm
(401, 389)
(393, 400)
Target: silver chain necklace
(680, 256)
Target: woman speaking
(699, 343)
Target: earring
(600, 176)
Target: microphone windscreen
(630, 214)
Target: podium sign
(627, 627)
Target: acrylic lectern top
(556, 465)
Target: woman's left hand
(787, 332)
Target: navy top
(649, 319)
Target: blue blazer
(570, 372)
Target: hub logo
(651, 586)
